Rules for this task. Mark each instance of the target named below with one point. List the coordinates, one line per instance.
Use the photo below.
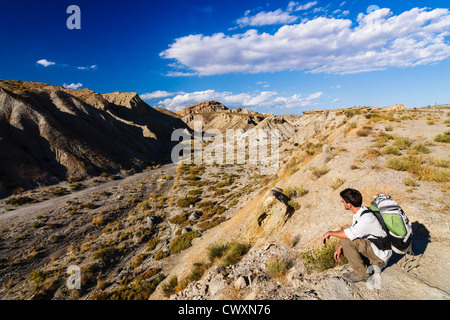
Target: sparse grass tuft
(168, 288)
(295, 192)
(183, 241)
(216, 251)
(391, 150)
(228, 254)
(337, 183)
(277, 268)
(443, 138)
(234, 254)
(364, 131)
(417, 166)
(402, 143)
(411, 182)
(319, 172)
(16, 202)
(410, 163)
(419, 148)
(188, 201)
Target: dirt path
(28, 211)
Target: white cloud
(294, 6)
(45, 63)
(267, 18)
(74, 86)
(266, 99)
(158, 95)
(376, 41)
(175, 74)
(93, 67)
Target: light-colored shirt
(367, 227)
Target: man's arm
(338, 234)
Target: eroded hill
(51, 134)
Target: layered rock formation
(49, 133)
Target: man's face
(346, 205)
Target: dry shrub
(277, 268)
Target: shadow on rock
(420, 240)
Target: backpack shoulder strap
(379, 217)
(381, 243)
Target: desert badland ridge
(88, 185)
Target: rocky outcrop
(131, 109)
(202, 107)
(275, 210)
(395, 108)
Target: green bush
(191, 177)
(215, 221)
(445, 138)
(168, 288)
(140, 290)
(417, 166)
(294, 205)
(411, 164)
(183, 241)
(160, 255)
(188, 201)
(16, 202)
(295, 192)
(322, 258)
(234, 254)
(180, 219)
(276, 268)
(391, 150)
(216, 251)
(227, 254)
(402, 142)
(319, 172)
(197, 271)
(337, 183)
(419, 148)
(58, 191)
(195, 192)
(107, 254)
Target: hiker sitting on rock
(363, 239)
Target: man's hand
(325, 238)
(337, 253)
(338, 234)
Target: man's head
(351, 198)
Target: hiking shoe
(353, 277)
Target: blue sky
(270, 56)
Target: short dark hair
(352, 196)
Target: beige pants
(354, 250)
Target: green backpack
(394, 221)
